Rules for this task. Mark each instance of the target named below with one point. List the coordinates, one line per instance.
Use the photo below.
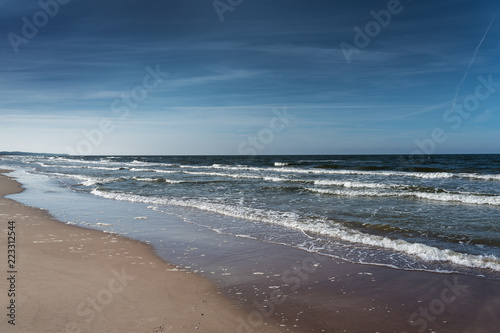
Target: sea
(438, 213)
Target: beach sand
(72, 279)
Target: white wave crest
(85, 180)
(166, 180)
(151, 170)
(466, 198)
(480, 176)
(221, 174)
(350, 184)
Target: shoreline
(268, 283)
(73, 279)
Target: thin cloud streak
(459, 86)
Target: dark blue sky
(250, 76)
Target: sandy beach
(71, 279)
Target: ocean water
(435, 213)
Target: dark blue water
(436, 212)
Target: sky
(202, 77)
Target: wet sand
(311, 293)
(306, 292)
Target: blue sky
(250, 76)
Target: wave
(135, 163)
(45, 165)
(350, 184)
(159, 180)
(317, 171)
(478, 176)
(152, 170)
(466, 198)
(327, 170)
(220, 174)
(372, 173)
(242, 176)
(80, 167)
(106, 168)
(345, 172)
(86, 180)
(280, 164)
(278, 179)
(321, 228)
(107, 162)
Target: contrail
(459, 86)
